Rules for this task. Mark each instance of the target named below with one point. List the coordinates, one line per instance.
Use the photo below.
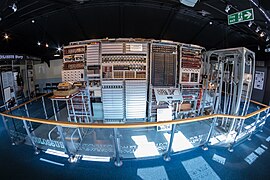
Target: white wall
(44, 74)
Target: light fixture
(6, 36)
(56, 55)
(190, 3)
(259, 48)
(262, 34)
(33, 21)
(250, 23)
(210, 22)
(257, 29)
(38, 43)
(228, 8)
(267, 39)
(59, 49)
(46, 45)
(14, 7)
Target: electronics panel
(112, 47)
(74, 62)
(74, 53)
(163, 66)
(93, 54)
(93, 68)
(72, 76)
(167, 94)
(136, 97)
(113, 101)
(131, 63)
(190, 64)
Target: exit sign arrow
(248, 15)
(241, 16)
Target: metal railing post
(255, 125)
(44, 107)
(205, 145)
(27, 114)
(72, 158)
(116, 139)
(167, 156)
(8, 131)
(30, 137)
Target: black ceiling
(57, 22)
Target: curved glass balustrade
(34, 123)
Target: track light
(59, 49)
(228, 8)
(6, 36)
(46, 45)
(210, 22)
(250, 23)
(33, 21)
(262, 34)
(38, 43)
(14, 7)
(257, 29)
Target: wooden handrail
(133, 125)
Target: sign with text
(241, 16)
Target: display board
(7, 79)
(7, 94)
(259, 80)
(164, 114)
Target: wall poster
(259, 80)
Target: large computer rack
(133, 78)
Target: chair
(47, 87)
(54, 86)
(37, 88)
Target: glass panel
(190, 135)
(142, 142)
(16, 128)
(46, 137)
(93, 144)
(35, 109)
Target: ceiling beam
(77, 22)
(168, 22)
(121, 20)
(199, 32)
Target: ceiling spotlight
(38, 43)
(14, 7)
(6, 36)
(250, 23)
(262, 34)
(257, 29)
(228, 8)
(267, 39)
(0, 19)
(46, 45)
(59, 49)
(210, 22)
(33, 21)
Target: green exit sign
(242, 16)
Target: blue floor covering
(19, 162)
